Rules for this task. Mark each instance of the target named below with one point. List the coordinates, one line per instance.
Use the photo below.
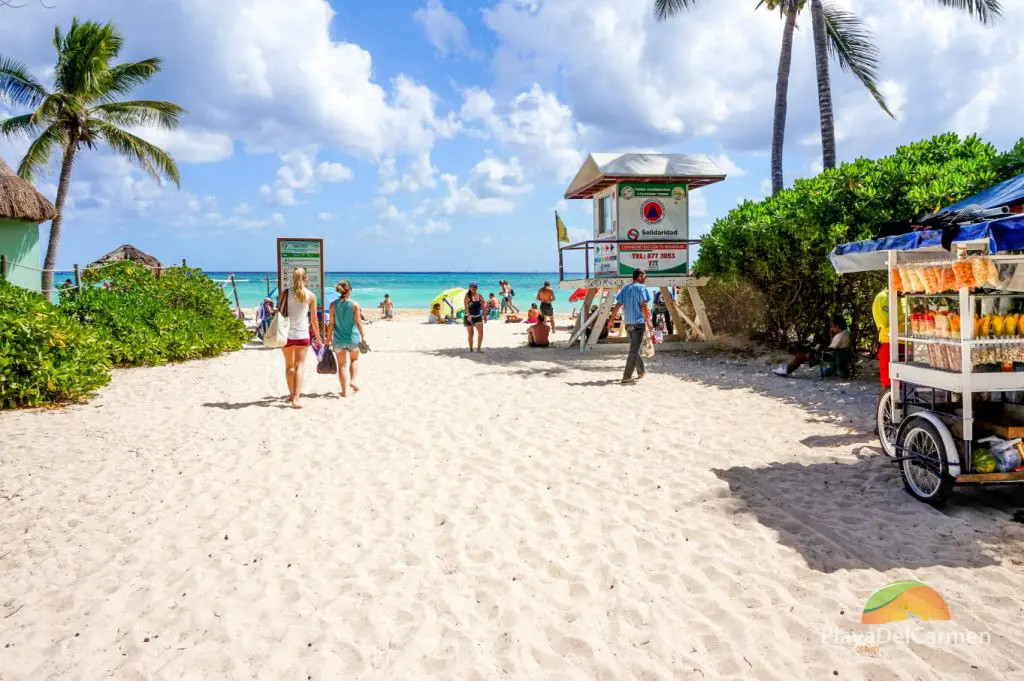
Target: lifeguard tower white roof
(601, 171)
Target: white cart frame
(913, 384)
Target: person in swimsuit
(546, 296)
(537, 335)
(300, 308)
(346, 335)
(474, 316)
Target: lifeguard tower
(641, 220)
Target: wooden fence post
(234, 286)
(78, 278)
(3, 266)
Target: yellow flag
(563, 233)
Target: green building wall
(19, 241)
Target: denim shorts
(354, 347)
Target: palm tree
(826, 20)
(83, 110)
(847, 40)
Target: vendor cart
(956, 403)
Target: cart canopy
(1007, 193)
(1006, 234)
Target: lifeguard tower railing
(585, 246)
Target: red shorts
(296, 341)
(883, 364)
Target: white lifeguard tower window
(604, 214)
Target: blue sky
(441, 134)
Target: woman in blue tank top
(346, 335)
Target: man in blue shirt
(634, 299)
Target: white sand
(508, 515)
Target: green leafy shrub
(45, 357)
(780, 245)
(149, 320)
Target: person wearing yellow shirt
(880, 312)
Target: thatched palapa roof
(19, 200)
(128, 252)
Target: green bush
(149, 320)
(44, 356)
(780, 245)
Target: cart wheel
(926, 475)
(884, 426)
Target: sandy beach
(511, 514)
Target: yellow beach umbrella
(451, 301)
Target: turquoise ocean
(414, 290)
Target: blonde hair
(299, 279)
(343, 288)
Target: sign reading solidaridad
(308, 253)
(653, 212)
(651, 215)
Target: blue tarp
(1005, 193)
(1006, 234)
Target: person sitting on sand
(532, 314)
(493, 307)
(435, 316)
(604, 329)
(537, 334)
(812, 356)
(387, 307)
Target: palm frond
(18, 126)
(123, 78)
(140, 113)
(39, 154)
(18, 86)
(151, 158)
(84, 55)
(987, 11)
(851, 44)
(666, 9)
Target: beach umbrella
(451, 301)
(578, 295)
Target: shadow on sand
(855, 515)
(275, 402)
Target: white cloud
(462, 200)
(444, 29)
(266, 72)
(189, 145)
(698, 204)
(421, 175)
(405, 233)
(728, 165)
(243, 209)
(300, 173)
(326, 216)
(277, 219)
(533, 121)
(491, 177)
(393, 214)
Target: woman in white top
(301, 308)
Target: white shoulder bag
(277, 332)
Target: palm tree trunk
(828, 127)
(781, 98)
(50, 262)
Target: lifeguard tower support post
(641, 220)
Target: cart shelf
(991, 477)
(956, 341)
(987, 382)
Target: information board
(657, 259)
(653, 212)
(308, 253)
(606, 259)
